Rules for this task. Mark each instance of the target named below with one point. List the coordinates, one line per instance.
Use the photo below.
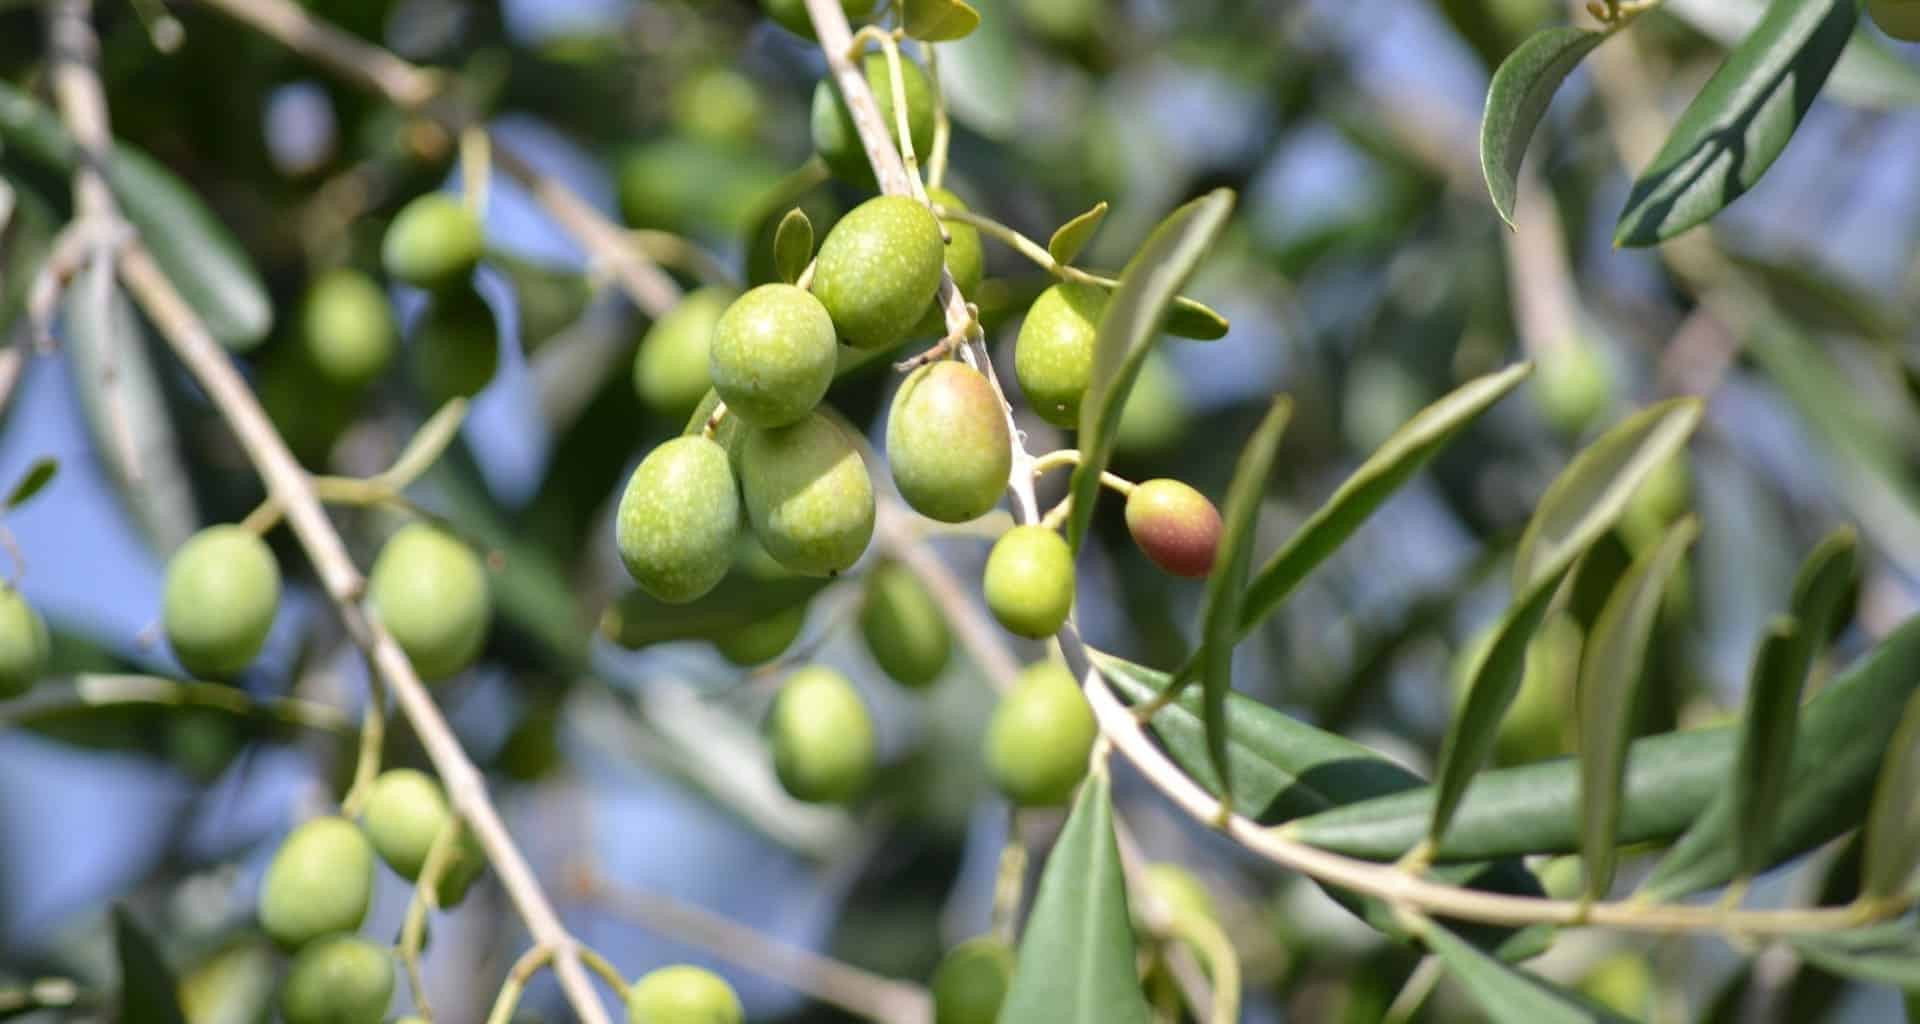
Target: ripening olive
(904, 627)
(763, 640)
(773, 354)
(1154, 416)
(223, 587)
(808, 495)
(966, 261)
(838, 141)
(1053, 356)
(456, 346)
(405, 812)
(318, 883)
(347, 327)
(430, 590)
(341, 980)
(822, 737)
(1177, 528)
(24, 644)
(683, 994)
(1572, 385)
(434, 242)
(948, 443)
(717, 104)
(1897, 18)
(971, 982)
(878, 270)
(1040, 736)
(671, 372)
(1029, 581)
(678, 519)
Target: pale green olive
(948, 443)
(808, 495)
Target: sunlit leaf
(1522, 88)
(939, 21)
(792, 245)
(1074, 235)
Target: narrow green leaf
(1507, 995)
(1870, 74)
(1589, 496)
(1522, 88)
(37, 476)
(1074, 235)
(1881, 954)
(1893, 823)
(428, 443)
(1077, 957)
(637, 620)
(792, 245)
(148, 991)
(1196, 321)
(1384, 473)
(1126, 334)
(1610, 674)
(1741, 120)
(1495, 682)
(939, 21)
(1226, 586)
(1672, 780)
(1821, 586)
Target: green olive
(24, 644)
(1183, 894)
(1040, 737)
(773, 355)
(223, 587)
(971, 982)
(1154, 417)
(717, 104)
(430, 590)
(678, 519)
(878, 270)
(683, 994)
(405, 812)
(693, 186)
(456, 346)
(1029, 581)
(341, 980)
(822, 737)
(347, 328)
(1573, 385)
(904, 627)
(434, 242)
(1623, 982)
(1053, 356)
(948, 443)
(1177, 528)
(757, 643)
(319, 883)
(1897, 18)
(670, 370)
(966, 261)
(838, 141)
(808, 495)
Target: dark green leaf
(1126, 334)
(1226, 586)
(148, 991)
(1377, 479)
(636, 620)
(1521, 90)
(792, 245)
(1893, 824)
(1588, 497)
(1740, 121)
(1672, 779)
(1074, 235)
(1881, 954)
(1610, 673)
(1077, 956)
(939, 21)
(1195, 321)
(1507, 995)
(37, 476)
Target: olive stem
(608, 973)
(1027, 247)
(518, 976)
(902, 126)
(1419, 985)
(805, 280)
(373, 736)
(942, 123)
(671, 250)
(1221, 960)
(426, 897)
(1062, 457)
(476, 169)
(712, 425)
(944, 347)
(1010, 883)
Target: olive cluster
(315, 894)
(223, 588)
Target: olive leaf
(1226, 585)
(1384, 473)
(637, 620)
(939, 21)
(1522, 88)
(148, 991)
(1610, 672)
(1881, 954)
(1870, 74)
(37, 476)
(792, 245)
(1128, 326)
(1506, 994)
(1740, 121)
(1074, 235)
(1195, 321)
(1076, 961)
(1893, 821)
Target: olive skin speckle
(773, 355)
(948, 443)
(679, 518)
(878, 270)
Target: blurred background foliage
(1365, 274)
